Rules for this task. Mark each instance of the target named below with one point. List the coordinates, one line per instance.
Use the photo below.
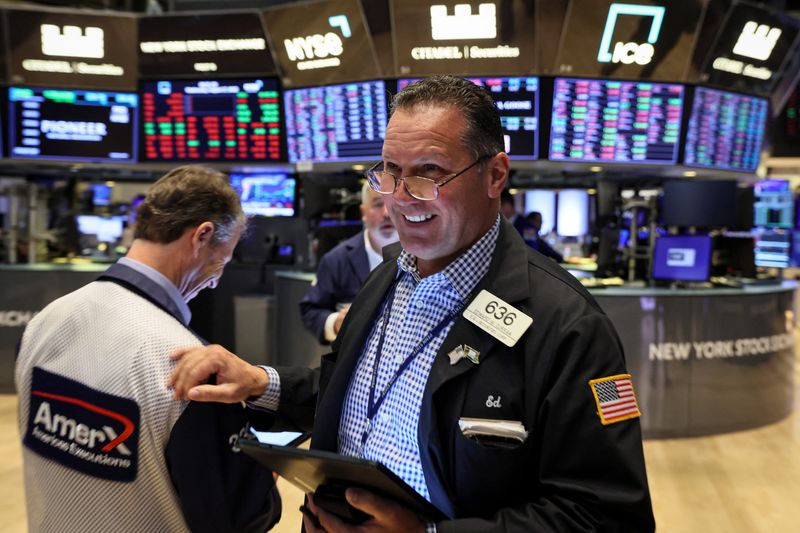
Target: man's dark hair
(483, 134)
(185, 198)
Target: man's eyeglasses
(384, 182)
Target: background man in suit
(342, 271)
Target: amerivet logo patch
(615, 398)
(82, 428)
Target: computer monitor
(95, 229)
(701, 203)
(605, 121)
(267, 194)
(773, 249)
(774, 204)
(725, 130)
(517, 99)
(211, 120)
(682, 258)
(336, 122)
(72, 125)
(101, 194)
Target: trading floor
(748, 481)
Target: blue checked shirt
(419, 305)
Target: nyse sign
(318, 50)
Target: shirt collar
(162, 281)
(468, 269)
(373, 258)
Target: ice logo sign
(627, 53)
(318, 50)
(462, 24)
(757, 41)
(72, 41)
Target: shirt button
(399, 359)
(419, 304)
(385, 418)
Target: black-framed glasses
(384, 182)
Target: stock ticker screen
(615, 121)
(72, 125)
(211, 120)
(336, 122)
(725, 130)
(517, 100)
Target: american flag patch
(615, 398)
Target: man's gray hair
(484, 132)
(185, 198)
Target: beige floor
(745, 482)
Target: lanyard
(374, 404)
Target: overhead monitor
(336, 122)
(517, 99)
(701, 203)
(752, 47)
(682, 258)
(95, 229)
(604, 121)
(61, 48)
(72, 125)
(773, 249)
(218, 44)
(774, 204)
(267, 194)
(455, 37)
(650, 40)
(321, 42)
(211, 120)
(726, 130)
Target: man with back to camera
(342, 271)
(536, 241)
(105, 446)
(427, 364)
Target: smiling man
(474, 368)
(106, 448)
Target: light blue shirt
(419, 305)
(162, 281)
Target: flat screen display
(517, 100)
(100, 229)
(682, 258)
(211, 120)
(615, 121)
(703, 203)
(72, 125)
(773, 249)
(267, 194)
(725, 130)
(336, 122)
(774, 204)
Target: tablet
(310, 469)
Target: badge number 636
(500, 312)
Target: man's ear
(202, 236)
(498, 174)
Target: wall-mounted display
(225, 43)
(211, 120)
(615, 121)
(336, 122)
(725, 130)
(71, 49)
(266, 194)
(517, 100)
(72, 125)
(454, 37)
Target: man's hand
(387, 516)
(237, 380)
(339, 319)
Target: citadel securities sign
(321, 42)
(437, 37)
(641, 39)
(71, 49)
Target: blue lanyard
(374, 405)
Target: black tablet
(309, 470)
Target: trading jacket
(105, 446)
(340, 275)
(572, 473)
